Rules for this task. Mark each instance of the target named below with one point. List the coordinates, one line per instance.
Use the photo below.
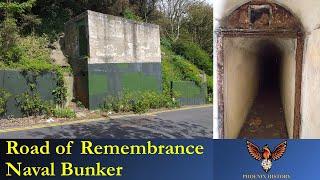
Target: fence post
(171, 89)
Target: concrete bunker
(259, 50)
(110, 55)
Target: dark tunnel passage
(269, 56)
(266, 118)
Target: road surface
(178, 124)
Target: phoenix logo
(265, 155)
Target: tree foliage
(175, 11)
(199, 25)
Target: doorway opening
(269, 113)
(259, 52)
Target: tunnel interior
(270, 57)
(259, 87)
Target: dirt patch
(42, 120)
(266, 118)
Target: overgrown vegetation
(193, 53)
(63, 113)
(4, 95)
(33, 105)
(176, 67)
(139, 102)
(27, 53)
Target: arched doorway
(259, 51)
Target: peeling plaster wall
(241, 82)
(287, 81)
(311, 87)
(117, 40)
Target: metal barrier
(18, 82)
(189, 93)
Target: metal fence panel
(111, 79)
(189, 93)
(17, 82)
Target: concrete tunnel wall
(311, 87)
(287, 79)
(241, 82)
(242, 68)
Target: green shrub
(194, 54)
(129, 14)
(79, 104)
(4, 95)
(169, 71)
(35, 48)
(33, 105)
(63, 113)
(138, 102)
(32, 55)
(188, 71)
(9, 33)
(166, 42)
(176, 68)
(60, 95)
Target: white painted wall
(241, 82)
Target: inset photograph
(266, 69)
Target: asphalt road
(191, 123)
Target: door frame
(248, 33)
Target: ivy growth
(60, 93)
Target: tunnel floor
(266, 118)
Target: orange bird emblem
(265, 155)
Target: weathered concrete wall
(241, 82)
(78, 63)
(118, 40)
(287, 83)
(311, 87)
(121, 55)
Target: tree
(199, 24)
(175, 11)
(9, 31)
(144, 8)
(113, 7)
